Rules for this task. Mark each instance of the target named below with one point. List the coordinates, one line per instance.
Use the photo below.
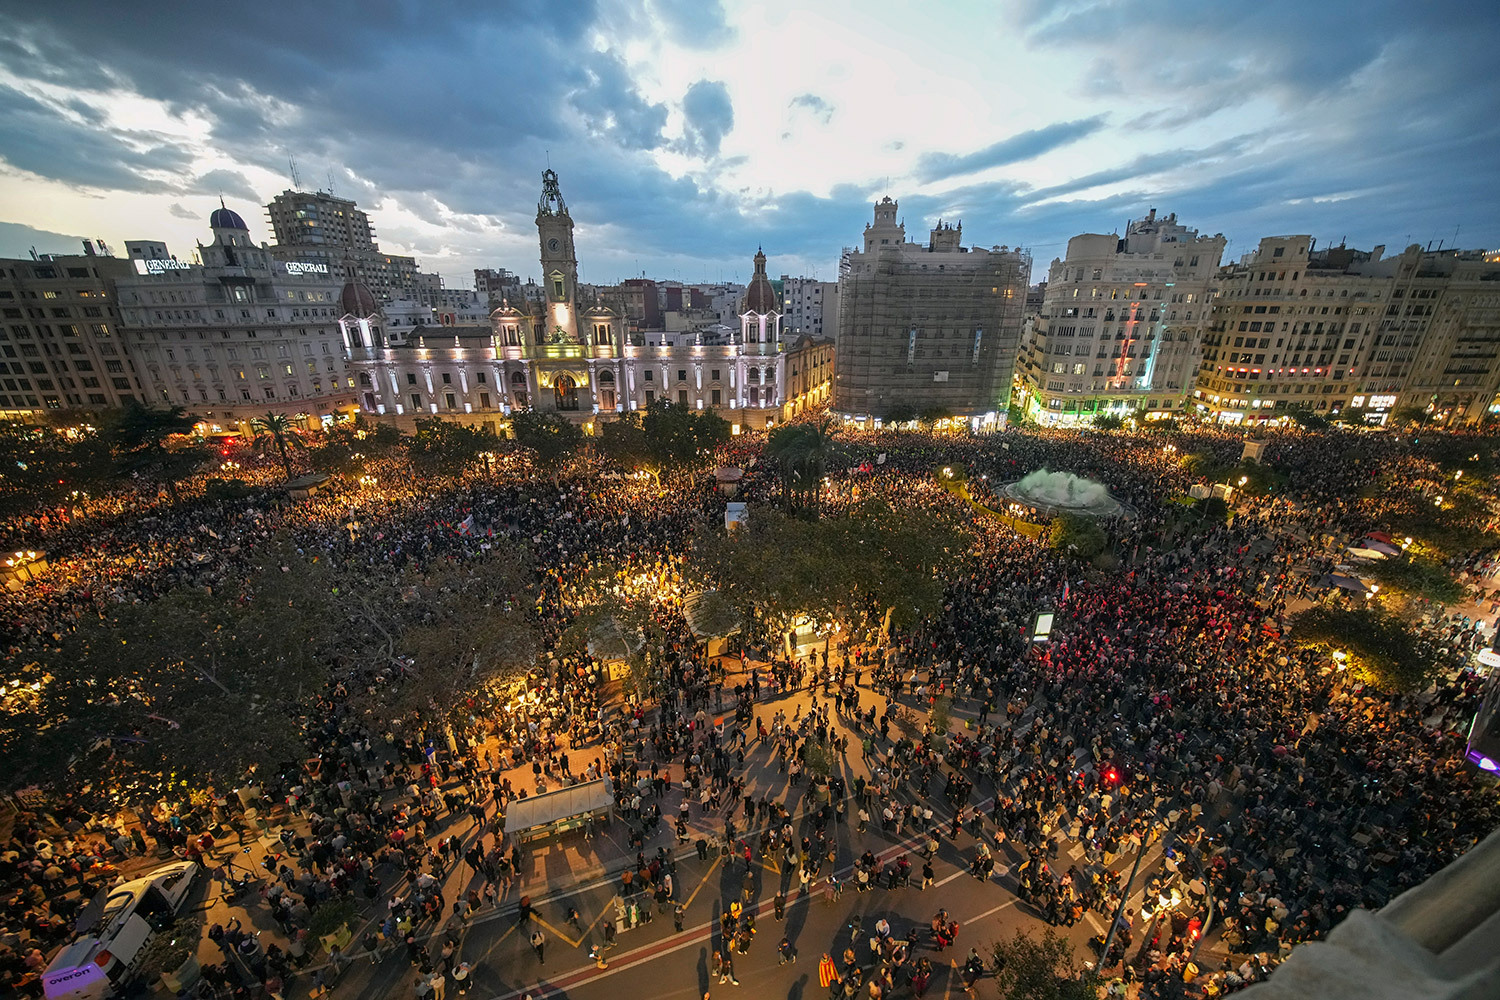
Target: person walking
(538, 944)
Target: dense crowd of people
(1167, 712)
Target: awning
(1379, 545)
(539, 810)
(1366, 553)
(1344, 582)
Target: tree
(851, 567)
(553, 438)
(801, 453)
(1381, 648)
(474, 631)
(182, 692)
(348, 448)
(932, 414)
(1028, 969)
(1108, 422)
(1414, 416)
(275, 430)
(900, 413)
(41, 467)
(142, 440)
(667, 438)
(444, 448)
(1418, 576)
(1309, 421)
(1076, 535)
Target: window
(682, 396)
(682, 374)
(449, 399)
(416, 401)
(649, 374)
(713, 375)
(484, 400)
(447, 378)
(714, 395)
(411, 378)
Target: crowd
(1165, 713)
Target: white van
(114, 930)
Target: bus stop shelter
(552, 813)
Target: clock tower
(559, 265)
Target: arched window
(566, 391)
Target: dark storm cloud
(1013, 149)
(226, 183)
(18, 239)
(613, 110)
(708, 114)
(46, 141)
(455, 109)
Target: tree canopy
(802, 453)
(849, 567)
(1382, 649)
(1032, 969)
(447, 448)
(1075, 535)
(193, 688)
(553, 438)
(666, 438)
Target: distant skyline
(686, 132)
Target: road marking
(706, 876)
(944, 881)
(997, 909)
(554, 930)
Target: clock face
(552, 244)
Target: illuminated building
(573, 352)
(239, 334)
(1120, 323)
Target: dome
(226, 218)
(760, 297)
(357, 300)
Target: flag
(1065, 592)
(466, 525)
(828, 974)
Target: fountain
(1057, 492)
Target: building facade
(811, 306)
(239, 335)
(577, 355)
(929, 327)
(1290, 331)
(1120, 324)
(316, 227)
(60, 342)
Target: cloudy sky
(687, 132)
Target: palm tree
(274, 429)
(801, 453)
